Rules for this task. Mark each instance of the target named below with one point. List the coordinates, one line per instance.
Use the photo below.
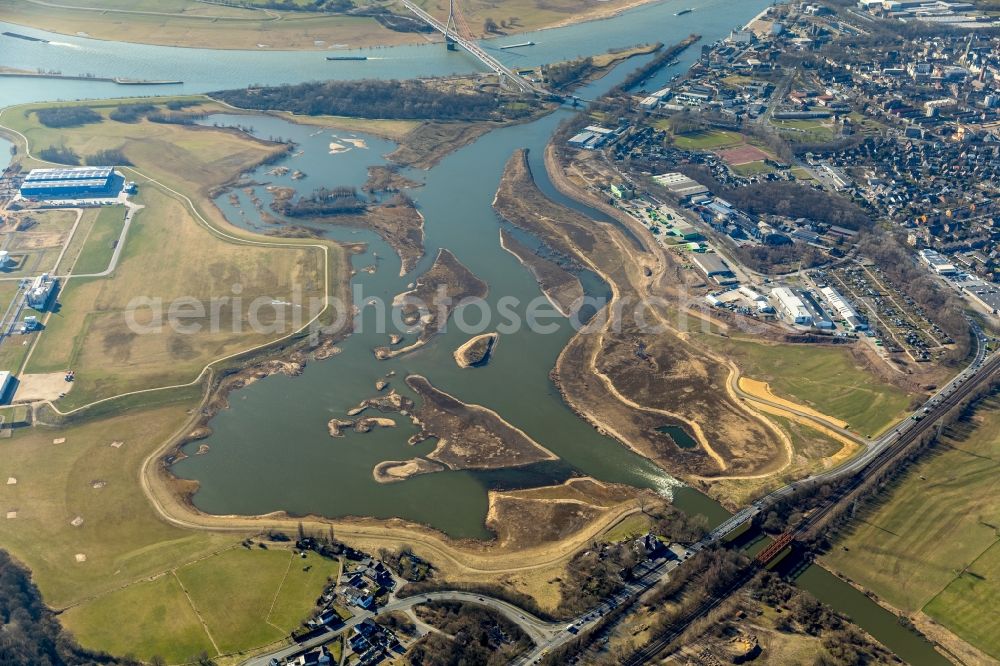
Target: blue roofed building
(69, 182)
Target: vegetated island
(562, 288)
(476, 352)
(386, 178)
(569, 74)
(452, 111)
(439, 291)
(470, 436)
(396, 220)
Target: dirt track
(674, 381)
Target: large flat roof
(711, 264)
(64, 184)
(69, 173)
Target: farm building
(69, 182)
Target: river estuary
(271, 450)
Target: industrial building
(592, 137)
(6, 379)
(40, 291)
(852, 319)
(680, 185)
(714, 267)
(938, 263)
(790, 306)
(685, 230)
(69, 182)
(815, 310)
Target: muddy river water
(271, 450)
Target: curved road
(538, 630)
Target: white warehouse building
(790, 306)
(855, 321)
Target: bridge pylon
(451, 28)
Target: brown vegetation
(467, 634)
(437, 294)
(470, 436)
(397, 222)
(562, 288)
(631, 381)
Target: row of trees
(67, 116)
(324, 201)
(563, 74)
(327, 6)
(374, 99)
(63, 154)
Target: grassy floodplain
(825, 378)
(931, 544)
(73, 509)
(227, 602)
(174, 250)
(253, 26)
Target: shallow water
(270, 450)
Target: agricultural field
(167, 256)
(825, 378)
(77, 517)
(931, 544)
(196, 24)
(75, 513)
(37, 244)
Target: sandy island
(476, 352)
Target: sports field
(744, 154)
(932, 544)
(752, 168)
(707, 140)
(825, 378)
(806, 131)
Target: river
(271, 451)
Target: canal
(271, 451)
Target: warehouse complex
(714, 267)
(853, 320)
(790, 306)
(70, 182)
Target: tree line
(369, 98)
(67, 116)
